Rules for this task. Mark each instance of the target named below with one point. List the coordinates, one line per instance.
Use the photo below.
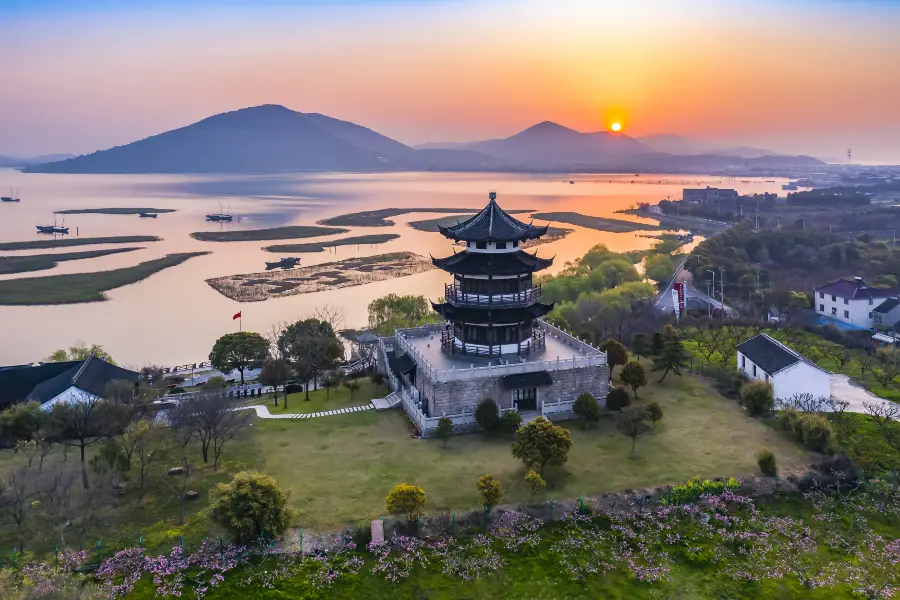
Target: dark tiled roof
(493, 224)
(367, 337)
(852, 288)
(887, 306)
(768, 354)
(499, 316)
(526, 380)
(403, 364)
(493, 263)
(17, 381)
(91, 375)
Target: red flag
(236, 316)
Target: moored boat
(52, 229)
(284, 263)
(147, 215)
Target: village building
(853, 302)
(494, 343)
(708, 195)
(763, 358)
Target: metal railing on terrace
(591, 356)
(455, 295)
(450, 342)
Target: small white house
(766, 359)
(851, 301)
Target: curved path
(263, 412)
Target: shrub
(633, 375)
(541, 443)
(535, 482)
(490, 490)
(757, 397)
(618, 398)
(587, 408)
(818, 433)
(488, 415)
(655, 411)
(293, 388)
(251, 506)
(765, 458)
(510, 421)
(691, 491)
(790, 420)
(110, 460)
(444, 429)
(377, 378)
(216, 383)
(407, 500)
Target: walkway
(263, 412)
(857, 396)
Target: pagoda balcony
(454, 295)
(452, 344)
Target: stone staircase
(389, 401)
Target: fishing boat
(53, 228)
(789, 186)
(222, 216)
(147, 215)
(571, 182)
(11, 198)
(284, 263)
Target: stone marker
(191, 495)
(377, 532)
(176, 471)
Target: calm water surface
(174, 316)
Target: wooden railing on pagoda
(453, 294)
(449, 342)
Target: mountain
(671, 144)
(261, 139)
(13, 161)
(704, 163)
(745, 152)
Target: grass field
(114, 211)
(322, 400)
(359, 240)
(40, 262)
(273, 233)
(82, 287)
(66, 242)
(598, 223)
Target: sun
(616, 127)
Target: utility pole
(708, 304)
(757, 277)
(722, 285)
(713, 296)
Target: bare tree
(17, 499)
(45, 441)
(28, 448)
(216, 422)
(55, 490)
(333, 315)
(182, 432)
(882, 412)
(805, 403)
(89, 505)
(149, 448)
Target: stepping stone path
(263, 412)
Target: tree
(80, 351)
(134, 433)
(617, 398)
(444, 429)
(331, 381)
(487, 415)
(634, 421)
(656, 344)
(406, 500)
(240, 350)
(541, 443)
(84, 421)
(55, 491)
(251, 506)
(310, 346)
(672, 358)
(274, 372)
(182, 431)
(490, 490)
(352, 385)
(634, 376)
(149, 448)
(658, 267)
(535, 482)
(215, 422)
(765, 458)
(616, 354)
(639, 344)
(21, 422)
(120, 391)
(655, 411)
(758, 398)
(17, 495)
(396, 312)
(587, 407)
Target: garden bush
(757, 397)
(487, 415)
(587, 407)
(251, 506)
(691, 491)
(407, 500)
(618, 398)
(791, 421)
(510, 421)
(490, 490)
(818, 433)
(765, 458)
(655, 411)
(293, 388)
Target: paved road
(844, 389)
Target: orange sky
(813, 76)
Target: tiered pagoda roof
(500, 263)
(499, 316)
(493, 224)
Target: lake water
(174, 317)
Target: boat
(147, 215)
(284, 263)
(52, 229)
(789, 186)
(12, 197)
(222, 216)
(572, 181)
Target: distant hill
(714, 162)
(13, 161)
(676, 144)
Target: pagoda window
(481, 245)
(501, 245)
(515, 244)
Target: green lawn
(273, 233)
(323, 400)
(341, 468)
(77, 241)
(40, 262)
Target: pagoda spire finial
(492, 196)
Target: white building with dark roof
(763, 358)
(84, 380)
(851, 301)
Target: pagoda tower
(492, 303)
